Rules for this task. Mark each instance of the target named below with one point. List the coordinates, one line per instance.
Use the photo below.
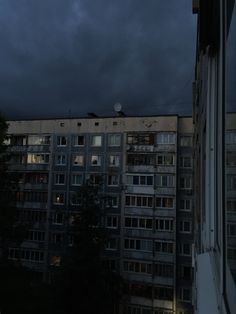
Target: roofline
(100, 117)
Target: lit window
(38, 140)
(96, 140)
(78, 160)
(59, 198)
(96, 160)
(55, 260)
(38, 158)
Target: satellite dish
(117, 107)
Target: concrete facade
(146, 164)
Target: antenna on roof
(118, 109)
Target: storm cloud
(77, 56)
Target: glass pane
(230, 145)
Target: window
(112, 244)
(113, 180)
(165, 160)
(18, 140)
(138, 267)
(140, 223)
(58, 198)
(60, 179)
(186, 182)
(77, 179)
(164, 270)
(231, 229)
(79, 140)
(35, 235)
(31, 196)
(138, 244)
(185, 294)
(165, 180)
(37, 158)
(163, 293)
(139, 201)
(114, 161)
(163, 224)
(185, 205)
(75, 198)
(95, 179)
(78, 160)
(58, 218)
(166, 138)
(231, 182)
(55, 260)
(231, 205)
(164, 247)
(230, 137)
(185, 226)
(36, 178)
(185, 249)
(139, 180)
(185, 272)
(185, 162)
(112, 222)
(112, 201)
(96, 160)
(38, 140)
(57, 238)
(61, 141)
(26, 255)
(141, 159)
(140, 139)
(60, 160)
(164, 202)
(114, 139)
(96, 140)
(186, 141)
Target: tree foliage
(89, 285)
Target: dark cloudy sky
(84, 56)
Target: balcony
(139, 189)
(140, 148)
(140, 168)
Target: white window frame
(61, 139)
(114, 140)
(96, 160)
(96, 140)
(57, 177)
(80, 163)
(74, 181)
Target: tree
(89, 286)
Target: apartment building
(214, 117)
(146, 166)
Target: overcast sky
(79, 56)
